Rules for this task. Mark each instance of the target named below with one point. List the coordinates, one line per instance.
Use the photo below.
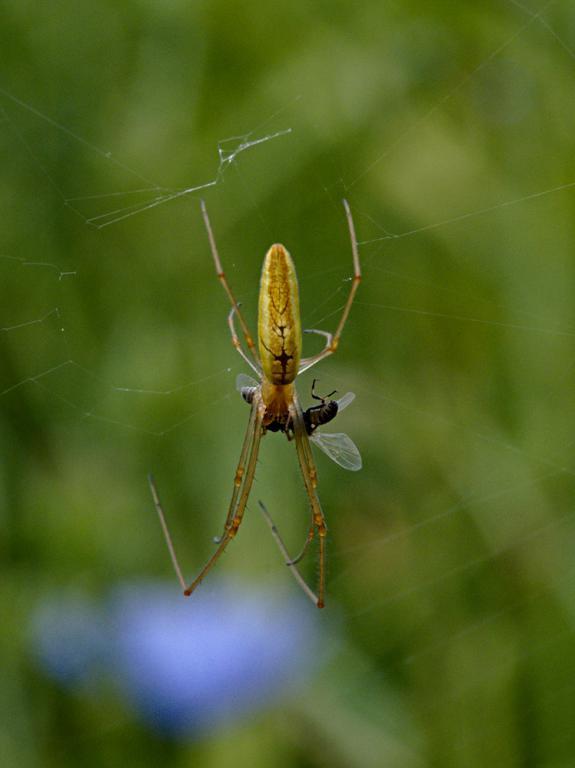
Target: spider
(274, 402)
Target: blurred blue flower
(69, 638)
(186, 666)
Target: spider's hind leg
(290, 562)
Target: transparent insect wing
(340, 448)
(344, 401)
(243, 380)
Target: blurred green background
(450, 558)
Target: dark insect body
(313, 417)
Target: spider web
(228, 151)
(511, 480)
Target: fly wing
(340, 448)
(243, 380)
(344, 401)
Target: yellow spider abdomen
(279, 326)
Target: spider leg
(288, 561)
(237, 344)
(244, 478)
(224, 281)
(310, 536)
(242, 484)
(240, 470)
(165, 529)
(309, 474)
(307, 362)
(333, 341)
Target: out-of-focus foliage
(448, 635)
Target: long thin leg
(241, 468)
(299, 427)
(235, 519)
(356, 280)
(224, 281)
(240, 480)
(309, 473)
(237, 344)
(165, 529)
(312, 475)
(288, 560)
(307, 362)
(333, 341)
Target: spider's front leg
(332, 340)
(227, 288)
